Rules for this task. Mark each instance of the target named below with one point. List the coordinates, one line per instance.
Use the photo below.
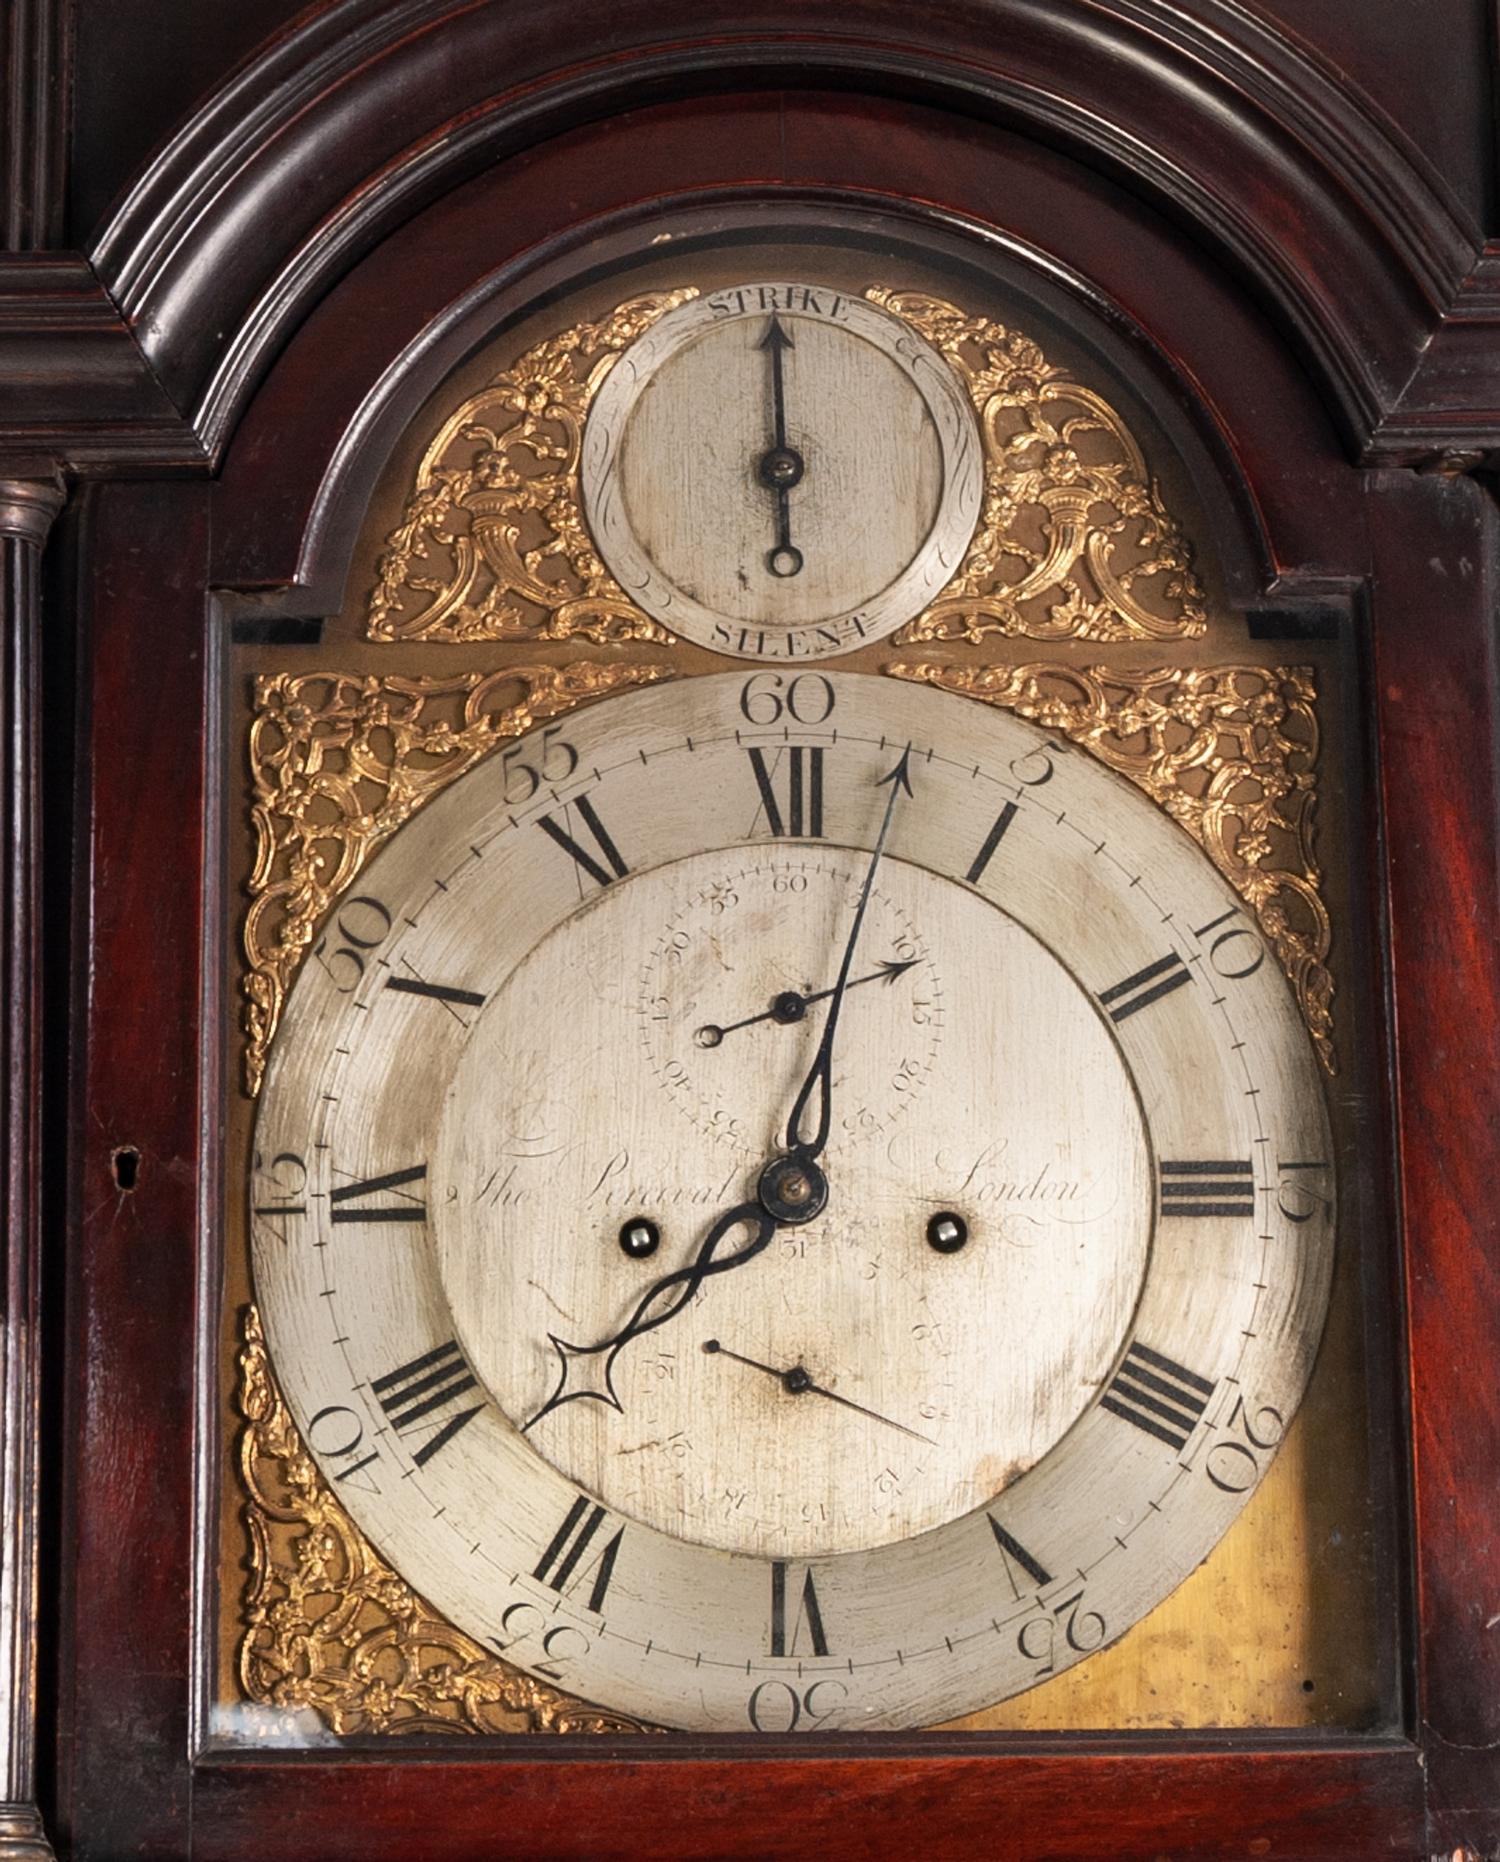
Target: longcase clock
(776, 1107)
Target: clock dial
(826, 498)
(778, 1204)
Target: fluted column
(27, 507)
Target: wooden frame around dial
(164, 568)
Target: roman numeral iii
(1157, 1395)
(1208, 1189)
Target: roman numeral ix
(1157, 1395)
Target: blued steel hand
(798, 1382)
(820, 1074)
(582, 1362)
(781, 467)
(791, 1005)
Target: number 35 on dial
(792, 1201)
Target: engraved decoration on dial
(1074, 538)
(432, 1156)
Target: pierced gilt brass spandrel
(1230, 752)
(492, 544)
(339, 761)
(327, 1626)
(1074, 541)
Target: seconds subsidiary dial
(815, 1214)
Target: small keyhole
(127, 1166)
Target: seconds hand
(798, 1382)
(791, 1005)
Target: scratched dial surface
(830, 496)
(964, 1426)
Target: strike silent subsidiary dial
(782, 471)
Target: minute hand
(820, 1074)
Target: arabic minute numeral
(779, 1707)
(1082, 1630)
(767, 697)
(286, 1191)
(360, 926)
(1301, 1196)
(337, 1434)
(555, 763)
(1235, 953)
(1235, 1461)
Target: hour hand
(587, 1371)
(582, 1371)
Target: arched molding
(1231, 398)
(362, 114)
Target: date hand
(588, 1370)
(791, 1005)
(798, 1382)
(820, 1074)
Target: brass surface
(338, 761)
(492, 543)
(1288, 1623)
(1074, 538)
(1230, 752)
(328, 1625)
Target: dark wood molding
(27, 510)
(34, 95)
(147, 348)
(77, 383)
(363, 114)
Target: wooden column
(27, 507)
